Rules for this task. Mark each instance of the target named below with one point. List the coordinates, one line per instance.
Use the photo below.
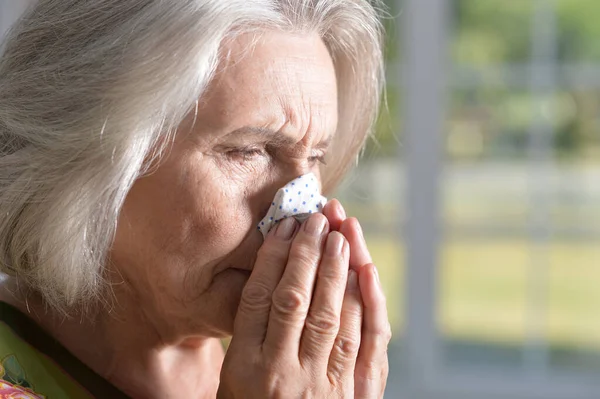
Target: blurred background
(480, 197)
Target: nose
(269, 191)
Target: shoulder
(19, 365)
(29, 366)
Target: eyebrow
(275, 138)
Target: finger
(255, 303)
(323, 319)
(291, 298)
(342, 360)
(335, 213)
(384, 376)
(359, 253)
(376, 335)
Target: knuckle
(256, 294)
(304, 254)
(369, 370)
(388, 333)
(347, 347)
(290, 301)
(385, 332)
(382, 332)
(325, 323)
(336, 273)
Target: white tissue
(299, 198)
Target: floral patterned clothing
(35, 366)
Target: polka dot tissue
(299, 198)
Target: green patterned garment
(33, 365)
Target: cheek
(216, 212)
(183, 215)
(218, 225)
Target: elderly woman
(141, 143)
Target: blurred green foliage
(488, 121)
(579, 30)
(490, 32)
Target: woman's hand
(298, 327)
(372, 367)
(297, 330)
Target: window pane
(507, 279)
(491, 31)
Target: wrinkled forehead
(274, 80)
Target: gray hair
(92, 92)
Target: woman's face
(186, 239)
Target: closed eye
(246, 153)
(249, 153)
(317, 159)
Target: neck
(127, 350)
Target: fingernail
(335, 243)
(341, 210)
(376, 273)
(285, 229)
(352, 284)
(360, 230)
(315, 225)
